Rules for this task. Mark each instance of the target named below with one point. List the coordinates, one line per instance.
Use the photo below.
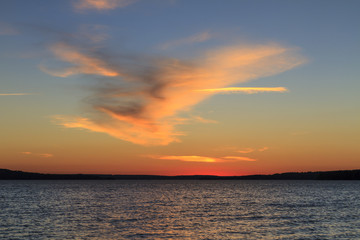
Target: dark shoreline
(6, 174)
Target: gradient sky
(179, 86)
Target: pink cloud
(101, 4)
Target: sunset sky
(175, 87)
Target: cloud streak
(204, 159)
(246, 150)
(43, 155)
(237, 158)
(248, 90)
(82, 63)
(250, 150)
(197, 38)
(139, 99)
(101, 4)
(191, 158)
(15, 94)
(263, 149)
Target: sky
(179, 87)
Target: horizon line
(181, 175)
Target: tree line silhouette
(6, 174)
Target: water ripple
(179, 209)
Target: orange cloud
(248, 90)
(191, 158)
(140, 101)
(82, 63)
(101, 4)
(200, 37)
(250, 150)
(204, 159)
(246, 150)
(237, 158)
(44, 155)
(26, 153)
(128, 129)
(263, 149)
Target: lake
(179, 209)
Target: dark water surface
(178, 209)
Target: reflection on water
(179, 209)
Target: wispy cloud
(43, 155)
(263, 149)
(197, 38)
(6, 29)
(246, 150)
(82, 63)
(248, 90)
(203, 120)
(191, 158)
(251, 150)
(128, 128)
(15, 94)
(94, 33)
(139, 98)
(101, 4)
(46, 155)
(204, 159)
(237, 158)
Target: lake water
(179, 209)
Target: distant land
(6, 174)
